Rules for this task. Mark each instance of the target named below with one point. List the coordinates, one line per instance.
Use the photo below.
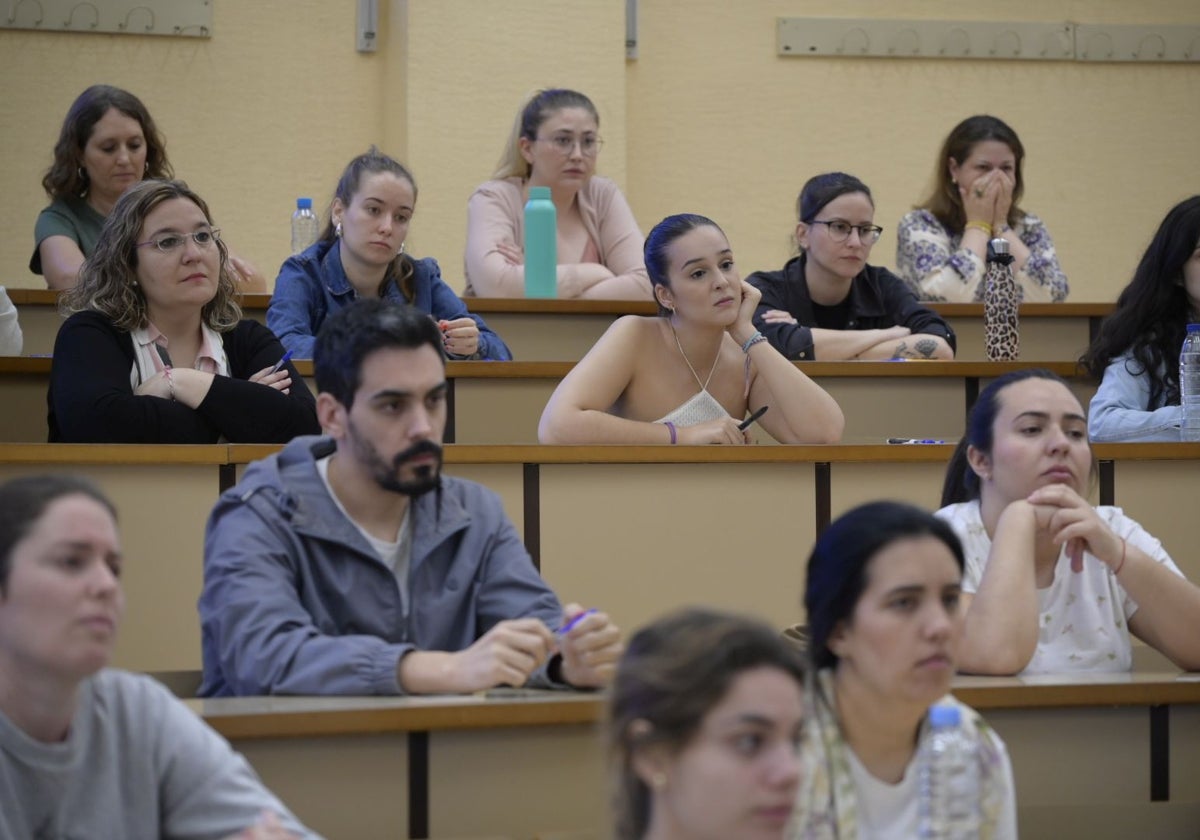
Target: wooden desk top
(259, 300)
(40, 366)
(291, 717)
(838, 453)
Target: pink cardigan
(496, 214)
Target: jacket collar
(864, 299)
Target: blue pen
(914, 440)
(282, 362)
(566, 628)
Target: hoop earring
(401, 251)
(82, 174)
(337, 230)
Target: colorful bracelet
(983, 226)
(671, 428)
(752, 340)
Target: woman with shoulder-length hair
(155, 350)
(941, 246)
(555, 142)
(1052, 583)
(884, 626)
(87, 750)
(1136, 353)
(705, 717)
(108, 143)
(691, 374)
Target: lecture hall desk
(563, 330)
(635, 530)
(501, 402)
(1098, 756)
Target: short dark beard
(427, 478)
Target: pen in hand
(745, 424)
(283, 361)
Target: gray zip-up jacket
(295, 601)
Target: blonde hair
(535, 110)
(108, 279)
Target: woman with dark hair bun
(827, 303)
(705, 717)
(555, 142)
(941, 246)
(108, 143)
(1137, 350)
(691, 374)
(884, 626)
(1052, 583)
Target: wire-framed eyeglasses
(168, 242)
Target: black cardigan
(91, 399)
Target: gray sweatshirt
(137, 763)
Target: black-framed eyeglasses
(169, 242)
(839, 231)
(589, 144)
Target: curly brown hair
(108, 279)
(66, 175)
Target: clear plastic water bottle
(304, 225)
(541, 245)
(950, 786)
(1001, 325)
(1189, 385)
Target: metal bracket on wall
(1003, 40)
(366, 29)
(631, 45)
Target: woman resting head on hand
(941, 246)
(362, 254)
(1136, 353)
(155, 350)
(691, 374)
(705, 716)
(1052, 582)
(108, 143)
(96, 752)
(555, 143)
(884, 626)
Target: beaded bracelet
(983, 226)
(752, 340)
(671, 428)
(170, 381)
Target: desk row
(563, 330)
(636, 530)
(1114, 758)
(501, 402)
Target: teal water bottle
(541, 245)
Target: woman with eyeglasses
(555, 143)
(155, 350)
(941, 246)
(828, 303)
(108, 142)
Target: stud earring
(401, 251)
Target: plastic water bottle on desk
(541, 245)
(304, 225)
(1001, 327)
(950, 785)
(1189, 385)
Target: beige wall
(707, 119)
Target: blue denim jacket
(312, 284)
(1121, 410)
